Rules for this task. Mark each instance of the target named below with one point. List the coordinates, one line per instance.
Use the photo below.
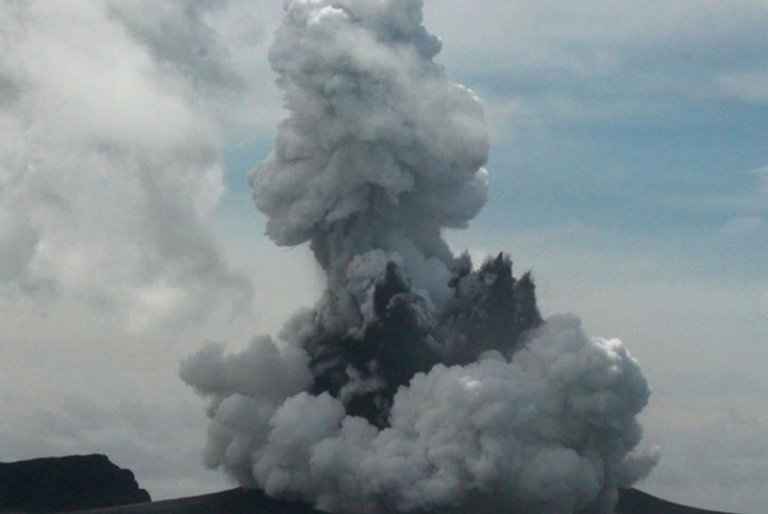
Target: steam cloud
(417, 381)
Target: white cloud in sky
(747, 203)
(750, 86)
(595, 62)
(743, 227)
(110, 164)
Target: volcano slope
(244, 501)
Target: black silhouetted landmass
(241, 501)
(234, 501)
(632, 501)
(61, 484)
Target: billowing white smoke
(109, 157)
(549, 431)
(380, 150)
(415, 382)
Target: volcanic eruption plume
(417, 381)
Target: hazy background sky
(629, 171)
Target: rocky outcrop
(66, 484)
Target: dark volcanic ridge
(245, 501)
(60, 484)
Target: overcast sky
(629, 171)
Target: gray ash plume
(490, 310)
(416, 381)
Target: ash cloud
(417, 380)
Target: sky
(629, 172)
